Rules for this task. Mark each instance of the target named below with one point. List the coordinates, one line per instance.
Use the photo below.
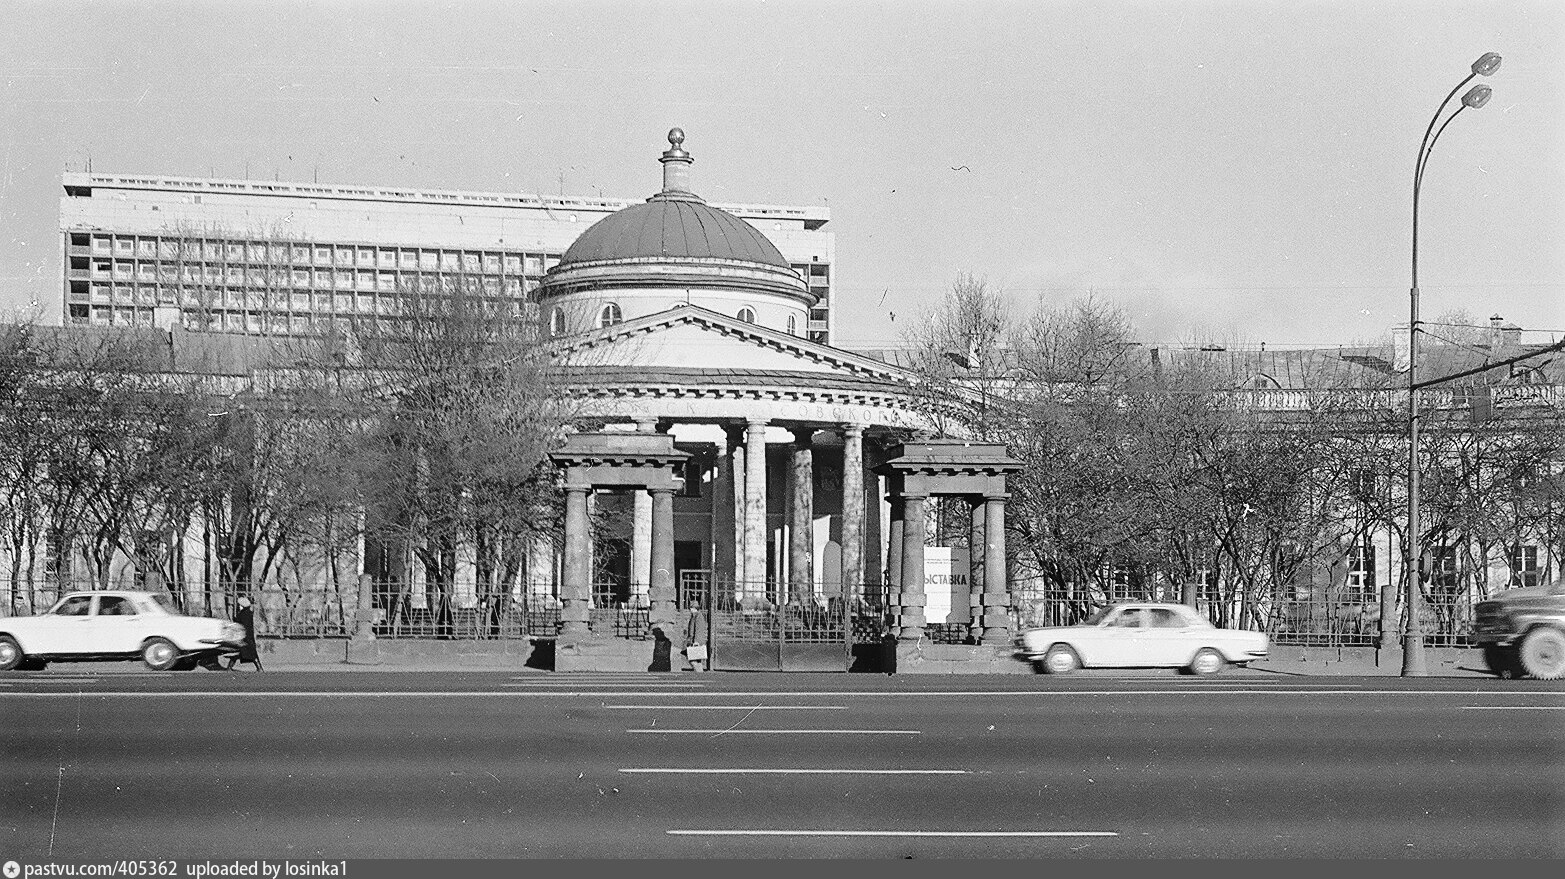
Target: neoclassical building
(675, 318)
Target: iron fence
(1326, 618)
(1305, 619)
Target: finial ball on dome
(676, 136)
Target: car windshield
(164, 601)
(1097, 616)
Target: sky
(1236, 171)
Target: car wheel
(1061, 660)
(11, 655)
(1207, 661)
(159, 654)
(1505, 662)
(1543, 654)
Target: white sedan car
(1141, 635)
(85, 626)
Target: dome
(673, 249)
(673, 225)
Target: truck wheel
(1543, 654)
(1505, 662)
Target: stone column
(913, 599)
(576, 591)
(641, 530)
(852, 510)
(894, 557)
(754, 586)
(997, 590)
(976, 556)
(738, 451)
(726, 553)
(801, 508)
(640, 544)
(663, 611)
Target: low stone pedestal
(600, 653)
(922, 657)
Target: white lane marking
(567, 676)
(608, 684)
(718, 771)
(765, 694)
(728, 707)
(1514, 707)
(775, 732)
(898, 833)
(63, 681)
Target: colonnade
(915, 472)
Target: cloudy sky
(1238, 171)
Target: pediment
(690, 337)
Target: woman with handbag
(695, 636)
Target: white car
(1141, 635)
(85, 626)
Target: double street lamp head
(1486, 64)
(1477, 96)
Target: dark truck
(1522, 631)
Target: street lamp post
(1413, 641)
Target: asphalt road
(114, 764)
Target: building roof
(675, 223)
(673, 227)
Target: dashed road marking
(713, 770)
(776, 732)
(727, 707)
(898, 833)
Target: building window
(557, 322)
(1524, 566)
(747, 314)
(793, 325)
(1361, 574)
(609, 315)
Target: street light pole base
(1413, 657)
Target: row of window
(170, 284)
(304, 253)
(611, 314)
(244, 320)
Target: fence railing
(1321, 620)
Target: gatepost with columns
(916, 472)
(614, 461)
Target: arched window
(609, 315)
(793, 325)
(747, 314)
(557, 322)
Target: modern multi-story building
(274, 258)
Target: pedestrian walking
(247, 650)
(662, 648)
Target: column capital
(661, 490)
(1001, 496)
(752, 425)
(913, 496)
(852, 429)
(577, 488)
(802, 435)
